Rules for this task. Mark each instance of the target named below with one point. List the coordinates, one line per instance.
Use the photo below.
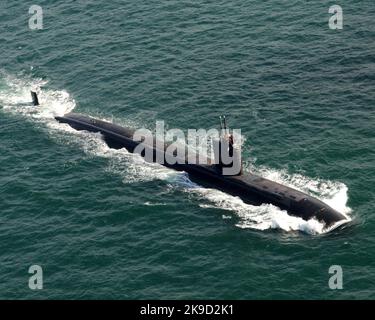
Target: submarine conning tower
(227, 156)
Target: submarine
(251, 188)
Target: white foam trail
(133, 168)
(334, 193)
(266, 216)
(16, 98)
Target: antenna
(225, 125)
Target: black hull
(252, 189)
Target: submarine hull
(252, 189)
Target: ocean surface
(103, 224)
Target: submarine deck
(262, 184)
(249, 187)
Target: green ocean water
(105, 225)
